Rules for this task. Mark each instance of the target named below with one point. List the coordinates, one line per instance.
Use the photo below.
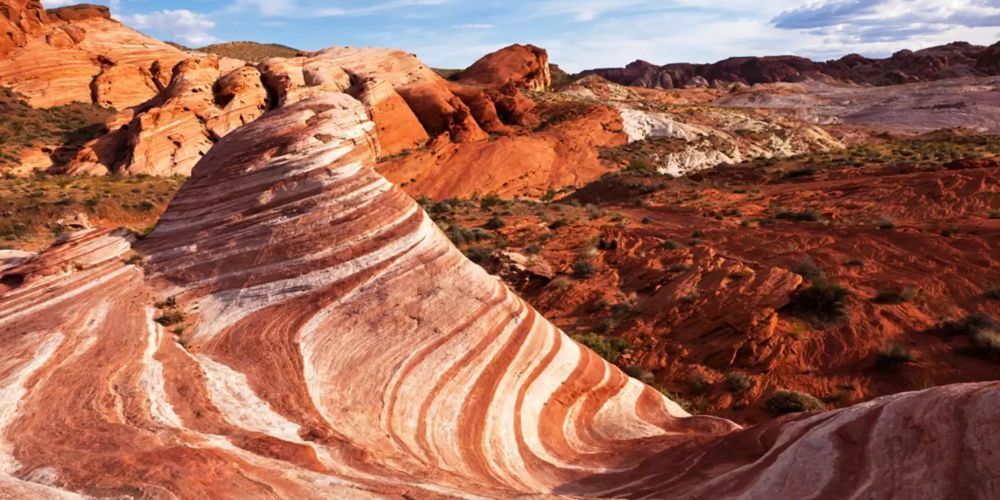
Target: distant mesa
(958, 59)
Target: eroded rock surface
(80, 54)
(524, 66)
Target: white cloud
(887, 20)
(182, 25)
(314, 8)
(473, 26)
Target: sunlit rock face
(296, 326)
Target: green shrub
(489, 201)
(896, 296)
(671, 245)
(804, 216)
(494, 223)
(699, 384)
(583, 269)
(738, 383)
(823, 301)
(885, 224)
(171, 317)
(968, 325)
(561, 283)
(893, 357)
(479, 254)
(640, 374)
(987, 342)
(609, 348)
(784, 402)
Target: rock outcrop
(170, 133)
(19, 20)
(524, 66)
(80, 54)
(954, 60)
(300, 328)
(388, 79)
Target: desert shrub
(561, 283)
(169, 302)
(558, 223)
(968, 325)
(699, 384)
(885, 224)
(987, 342)
(895, 296)
(738, 383)
(609, 348)
(800, 172)
(644, 376)
(784, 402)
(583, 269)
(606, 325)
(533, 249)
(697, 233)
(671, 245)
(171, 317)
(993, 293)
(805, 216)
(823, 302)
(479, 254)
(489, 201)
(893, 357)
(808, 269)
(494, 223)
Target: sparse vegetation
(583, 269)
(893, 356)
(804, 216)
(895, 296)
(783, 402)
(738, 383)
(170, 317)
(822, 302)
(606, 346)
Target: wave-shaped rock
(298, 327)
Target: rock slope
(298, 327)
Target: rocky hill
(954, 60)
(251, 52)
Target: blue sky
(578, 34)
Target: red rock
(524, 66)
(19, 20)
(325, 339)
(174, 130)
(958, 59)
(54, 58)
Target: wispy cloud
(883, 20)
(181, 25)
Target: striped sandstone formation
(333, 343)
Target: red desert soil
(700, 276)
(295, 326)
